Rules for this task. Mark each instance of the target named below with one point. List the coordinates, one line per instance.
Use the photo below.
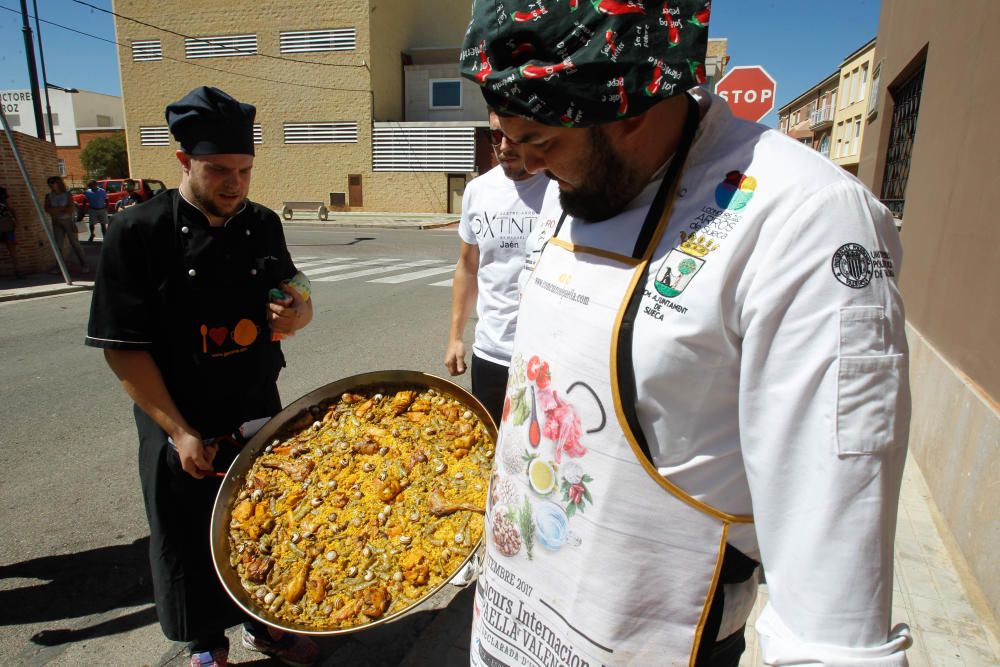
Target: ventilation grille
(258, 134)
(396, 147)
(154, 136)
(321, 133)
(221, 47)
(146, 50)
(302, 41)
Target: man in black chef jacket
(181, 309)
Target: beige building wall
(951, 266)
(852, 103)
(361, 86)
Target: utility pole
(29, 53)
(45, 80)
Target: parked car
(115, 187)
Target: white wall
(71, 111)
(417, 85)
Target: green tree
(106, 157)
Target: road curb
(34, 293)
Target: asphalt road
(74, 588)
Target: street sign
(748, 90)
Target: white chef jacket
(771, 371)
(497, 216)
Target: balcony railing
(820, 118)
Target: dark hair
(3, 194)
(53, 179)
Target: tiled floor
(928, 594)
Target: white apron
(592, 557)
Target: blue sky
(799, 42)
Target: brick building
(34, 252)
(809, 117)
(335, 117)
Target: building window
(321, 133)
(446, 94)
(845, 91)
(258, 134)
(303, 41)
(906, 106)
(146, 50)
(103, 121)
(864, 82)
(62, 167)
(220, 47)
(856, 139)
(824, 145)
(398, 147)
(876, 82)
(154, 136)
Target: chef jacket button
(185, 230)
(192, 273)
(248, 232)
(253, 272)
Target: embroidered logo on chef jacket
(681, 264)
(736, 191)
(853, 266)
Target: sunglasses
(497, 137)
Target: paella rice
(363, 512)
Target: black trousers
(489, 385)
(191, 603)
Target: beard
(608, 187)
(204, 200)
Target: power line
(208, 41)
(184, 62)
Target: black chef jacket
(195, 297)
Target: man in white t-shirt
(499, 210)
(709, 370)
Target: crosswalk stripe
(444, 283)
(416, 275)
(377, 270)
(344, 266)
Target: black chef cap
(580, 63)
(207, 121)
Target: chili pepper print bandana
(580, 63)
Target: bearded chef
(709, 371)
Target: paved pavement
(933, 591)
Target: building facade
(809, 117)
(852, 107)
(931, 154)
(358, 104)
(71, 112)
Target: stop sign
(749, 91)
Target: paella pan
(356, 503)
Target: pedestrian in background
(97, 197)
(59, 206)
(181, 310)
(499, 210)
(8, 221)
